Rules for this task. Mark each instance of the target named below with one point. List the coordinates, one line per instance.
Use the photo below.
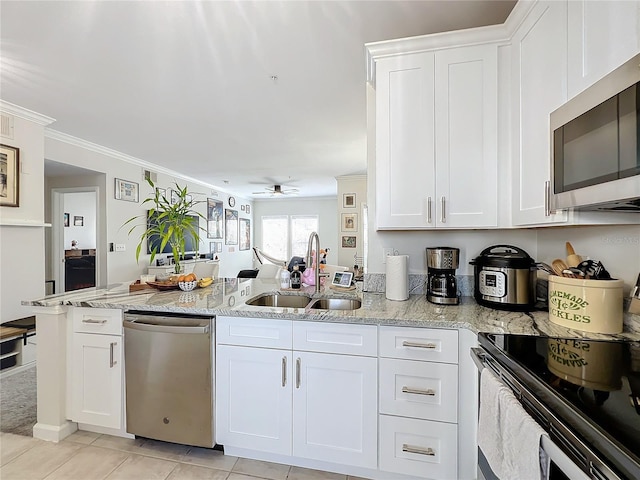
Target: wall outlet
(120, 247)
(385, 253)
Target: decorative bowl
(187, 286)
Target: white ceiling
(188, 85)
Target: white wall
(324, 207)
(80, 204)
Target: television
(190, 244)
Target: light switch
(120, 247)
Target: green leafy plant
(172, 223)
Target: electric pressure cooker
(505, 278)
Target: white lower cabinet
(96, 383)
(309, 405)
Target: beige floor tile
(299, 473)
(206, 457)
(240, 476)
(90, 463)
(39, 461)
(351, 477)
(12, 446)
(118, 443)
(83, 437)
(164, 450)
(271, 471)
(194, 472)
(138, 467)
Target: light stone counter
(227, 297)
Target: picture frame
(349, 222)
(245, 234)
(242, 207)
(126, 190)
(349, 200)
(78, 221)
(212, 247)
(66, 219)
(9, 176)
(248, 209)
(230, 227)
(214, 218)
(162, 192)
(173, 197)
(218, 247)
(348, 241)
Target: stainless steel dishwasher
(169, 377)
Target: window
(285, 236)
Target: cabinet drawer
(426, 390)
(254, 332)
(107, 321)
(418, 447)
(429, 344)
(336, 338)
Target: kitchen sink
(335, 304)
(283, 301)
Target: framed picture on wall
(349, 200)
(349, 222)
(66, 219)
(126, 190)
(348, 242)
(214, 218)
(78, 221)
(230, 227)
(9, 176)
(245, 234)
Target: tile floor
(91, 456)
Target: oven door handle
(478, 355)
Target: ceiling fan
(277, 190)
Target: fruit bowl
(187, 286)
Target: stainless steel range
(584, 393)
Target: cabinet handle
(93, 320)
(417, 391)
(547, 206)
(430, 346)
(419, 450)
(284, 371)
(112, 362)
(428, 209)
(298, 372)
(443, 213)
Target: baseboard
(17, 369)
(53, 433)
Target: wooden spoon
(573, 260)
(559, 266)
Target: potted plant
(168, 222)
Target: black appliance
(584, 393)
(442, 287)
(505, 278)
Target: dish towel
(508, 437)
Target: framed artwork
(349, 222)
(174, 197)
(212, 247)
(248, 209)
(214, 218)
(245, 234)
(66, 219)
(218, 247)
(162, 192)
(9, 176)
(349, 200)
(242, 207)
(126, 190)
(78, 221)
(348, 242)
(230, 227)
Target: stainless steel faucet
(317, 259)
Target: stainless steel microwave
(595, 151)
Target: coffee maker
(442, 287)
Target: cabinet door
(96, 387)
(602, 36)
(253, 398)
(539, 66)
(335, 409)
(405, 168)
(466, 106)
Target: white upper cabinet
(436, 139)
(602, 35)
(539, 86)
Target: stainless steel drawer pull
(428, 209)
(430, 346)
(93, 320)
(284, 371)
(419, 450)
(298, 372)
(417, 391)
(444, 213)
(112, 362)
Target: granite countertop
(227, 297)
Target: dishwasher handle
(161, 328)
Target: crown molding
(17, 111)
